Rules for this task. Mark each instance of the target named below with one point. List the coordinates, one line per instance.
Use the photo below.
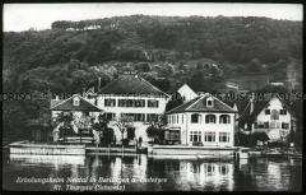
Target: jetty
(24, 147)
(187, 152)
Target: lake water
(140, 173)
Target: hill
(167, 51)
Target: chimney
(252, 99)
(201, 93)
(99, 83)
(84, 93)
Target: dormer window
(76, 101)
(209, 102)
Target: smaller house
(83, 111)
(187, 93)
(204, 121)
(270, 114)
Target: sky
(21, 17)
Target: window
(259, 125)
(209, 169)
(195, 118)
(135, 116)
(274, 114)
(173, 119)
(182, 118)
(110, 116)
(139, 117)
(139, 103)
(283, 111)
(152, 117)
(224, 137)
(178, 118)
(131, 103)
(169, 119)
(153, 103)
(209, 102)
(266, 125)
(210, 136)
(224, 119)
(195, 136)
(109, 102)
(172, 135)
(121, 103)
(210, 118)
(76, 101)
(267, 111)
(223, 169)
(275, 125)
(285, 125)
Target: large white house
(204, 120)
(132, 96)
(271, 115)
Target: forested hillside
(167, 51)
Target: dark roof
(259, 104)
(198, 104)
(67, 105)
(131, 84)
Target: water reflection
(255, 175)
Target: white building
(187, 93)
(204, 120)
(132, 96)
(84, 113)
(127, 96)
(272, 116)
(79, 106)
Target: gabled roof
(131, 84)
(67, 105)
(186, 87)
(248, 117)
(198, 104)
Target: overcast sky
(20, 17)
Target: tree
(155, 132)
(66, 128)
(175, 101)
(123, 123)
(259, 136)
(106, 133)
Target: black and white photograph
(128, 97)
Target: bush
(125, 142)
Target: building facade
(132, 96)
(128, 96)
(272, 116)
(204, 121)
